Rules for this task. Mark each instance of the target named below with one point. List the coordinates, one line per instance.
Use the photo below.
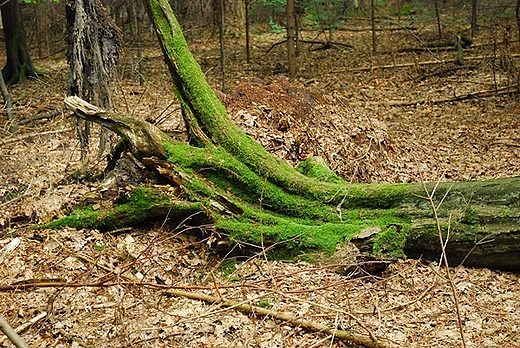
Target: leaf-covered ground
(375, 125)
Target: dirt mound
(295, 123)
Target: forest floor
(371, 124)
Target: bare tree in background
(248, 45)
(373, 21)
(222, 32)
(437, 14)
(291, 51)
(474, 4)
(18, 65)
(517, 13)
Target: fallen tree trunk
(256, 198)
(387, 221)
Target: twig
(25, 136)
(11, 334)
(445, 261)
(51, 114)
(405, 65)
(24, 326)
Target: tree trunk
(221, 35)
(438, 16)
(373, 23)
(248, 45)
(517, 15)
(291, 50)
(94, 42)
(18, 66)
(259, 199)
(474, 4)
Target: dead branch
(26, 136)
(24, 326)
(232, 304)
(11, 334)
(482, 94)
(48, 115)
(323, 45)
(406, 65)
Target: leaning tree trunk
(18, 66)
(257, 198)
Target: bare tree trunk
(474, 4)
(94, 44)
(517, 13)
(439, 29)
(7, 98)
(291, 53)
(139, 41)
(248, 46)
(18, 65)
(222, 47)
(373, 21)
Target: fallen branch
(11, 334)
(49, 115)
(324, 45)
(231, 304)
(25, 136)
(405, 65)
(247, 308)
(24, 326)
(482, 94)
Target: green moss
(470, 216)
(142, 205)
(264, 303)
(315, 167)
(295, 236)
(390, 243)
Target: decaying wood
(476, 210)
(146, 138)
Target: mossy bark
(260, 199)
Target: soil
(373, 125)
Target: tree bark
(259, 199)
(18, 66)
(94, 42)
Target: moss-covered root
(142, 207)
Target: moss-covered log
(482, 218)
(260, 199)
